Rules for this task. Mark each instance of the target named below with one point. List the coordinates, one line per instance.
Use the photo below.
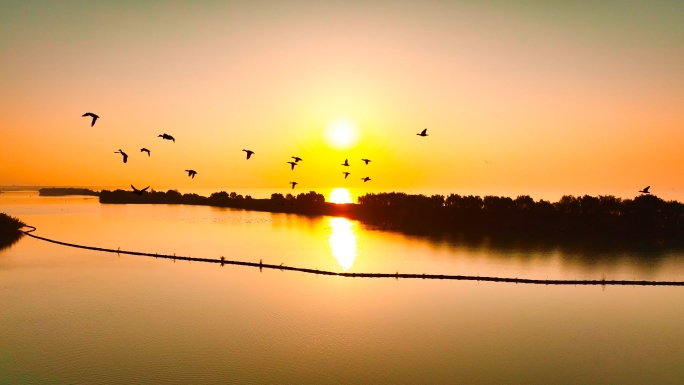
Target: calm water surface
(77, 316)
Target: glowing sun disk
(340, 195)
(341, 134)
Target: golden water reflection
(343, 242)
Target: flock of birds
(295, 162)
(192, 173)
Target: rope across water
(396, 275)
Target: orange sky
(564, 97)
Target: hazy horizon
(552, 195)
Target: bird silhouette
(423, 133)
(366, 160)
(346, 163)
(645, 190)
(95, 117)
(125, 157)
(366, 179)
(191, 173)
(145, 150)
(293, 184)
(346, 174)
(249, 153)
(167, 137)
(296, 158)
(139, 192)
(292, 164)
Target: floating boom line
(397, 275)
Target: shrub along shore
(9, 230)
(10, 225)
(644, 218)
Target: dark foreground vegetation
(644, 218)
(58, 192)
(9, 230)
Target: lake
(78, 316)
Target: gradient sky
(577, 96)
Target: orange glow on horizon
(581, 110)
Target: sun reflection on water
(343, 242)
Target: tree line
(645, 216)
(304, 203)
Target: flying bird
(346, 174)
(139, 192)
(95, 117)
(145, 150)
(191, 173)
(249, 153)
(296, 158)
(366, 160)
(293, 184)
(167, 137)
(423, 133)
(645, 190)
(125, 157)
(366, 179)
(346, 163)
(292, 164)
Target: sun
(341, 133)
(340, 195)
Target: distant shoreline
(306, 204)
(16, 188)
(646, 218)
(59, 191)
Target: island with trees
(66, 191)
(644, 218)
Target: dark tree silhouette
(644, 218)
(59, 191)
(9, 230)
